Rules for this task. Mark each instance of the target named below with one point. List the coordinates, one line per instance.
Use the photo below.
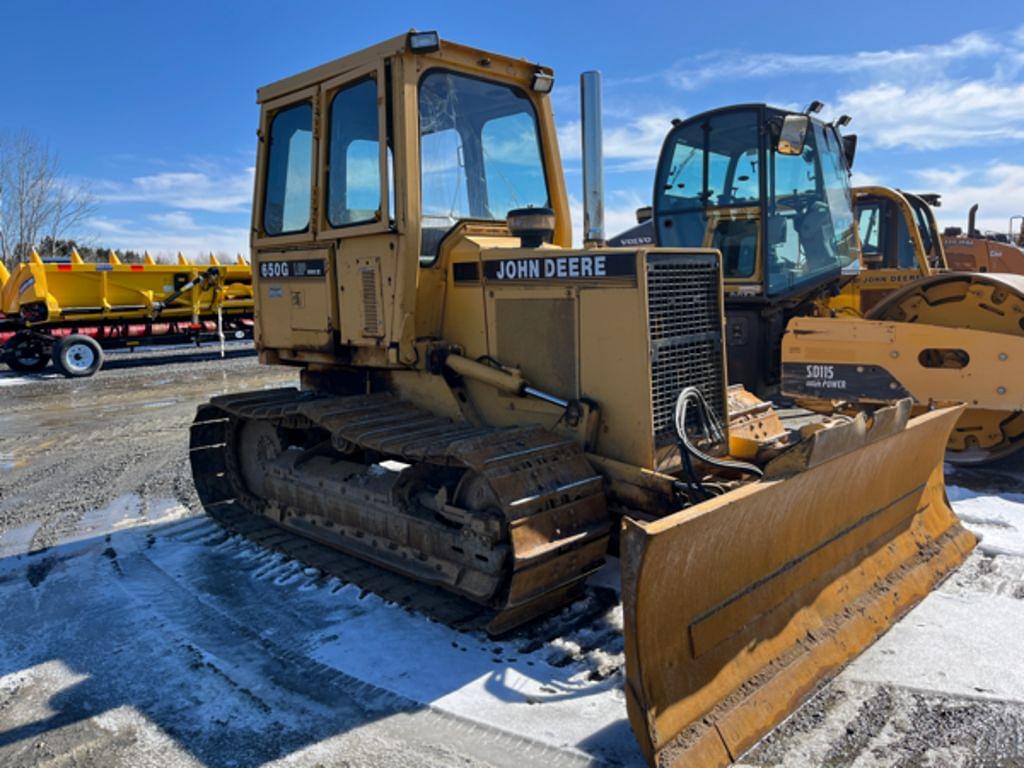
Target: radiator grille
(685, 326)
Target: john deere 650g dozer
(481, 403)
(769, 189)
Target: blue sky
(154, 103)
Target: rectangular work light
(423, 42)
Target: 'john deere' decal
(571, 267)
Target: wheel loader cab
(783, 220)
(899, 244)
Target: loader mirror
(849, 149)
(793, 134)
(645, 213)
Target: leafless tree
(35, 200)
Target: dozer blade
(738, 608)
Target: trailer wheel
(77, 356)
(26, 354)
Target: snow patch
(15, 542)
(17, 381)
(997, 520)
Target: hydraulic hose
(712, 428)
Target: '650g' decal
(271, 270)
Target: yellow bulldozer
(486, 409)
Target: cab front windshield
(479, 153)
(711, 193)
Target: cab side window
(286, 200)
(353, 171)
(869, 226)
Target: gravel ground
(136, 633)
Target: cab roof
(392, 46)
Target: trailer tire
(77, 356)
(26, 353)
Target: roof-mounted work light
(423, 42)
(542, 82)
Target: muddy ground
(134, 632)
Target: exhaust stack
(971, 217)
(593, 159)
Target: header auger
(482, 405)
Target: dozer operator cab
(770, 190)
(366, 165)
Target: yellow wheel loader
(482, 406)
(899, 242)
(784, 223)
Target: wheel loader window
(810, 214)
(906, 258)
(713, 171)
(925, 224)
(353, 171)
(868, 226)
(479, 154)
(288, 188)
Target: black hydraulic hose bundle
(711, 427)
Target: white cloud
(166, 235)
(865, 179)
(619, 214)
(175, 219)
(203, 188)
(966, 91)
(700, 71)
(630, 145)
(943, 114)
(996, 189)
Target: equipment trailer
(70, 312)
